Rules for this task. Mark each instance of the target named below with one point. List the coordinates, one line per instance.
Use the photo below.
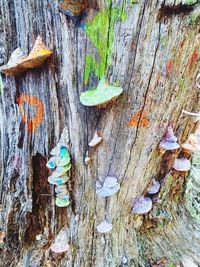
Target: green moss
(101, 32)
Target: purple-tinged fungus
(182, 164)
(154, 187)
(109, 187)
(142, 205)
(169, 142)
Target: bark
(155, 59)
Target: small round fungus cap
(104, 227)
(58, 180)
(60, 244)
(154, 188)
(103, 94)
(95, 140)
(182, 164)
(109, 187)
(142, 205)
(62, 202)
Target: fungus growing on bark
(182, 164)
(154, 187)
(61, 160)
(95, 140)
(142, 205)
(58, 180)
(191, 144)
(100, 96)
(62, 201)
(37, 56)
(169, 142)
(109, 187)
(12, 67)
(104, 227)
(51, 163)
(60, 244)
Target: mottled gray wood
(141, 49)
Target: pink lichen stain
(193, 58)
(182, 43)
(169, 67)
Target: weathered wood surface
(142, 49)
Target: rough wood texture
(155, 62)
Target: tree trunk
(152, 51)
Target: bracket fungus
(109, 187)
(37, 56)
(104, 227)
(191, 144)
(169, 142)
(12, 67)
(61, 163)
(154, 187)
(73, 8)
(95, 140)
(182, 164)
(100, 96)
(18, 63)
(142, 205)
(60, 244)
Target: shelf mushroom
(154, 187)
(169, 142)
(100, 96)
(37, 56)
(104, 227)
(61, 163)
(95, 140)
(191, 144)
(182, 164)
(142, 205)
(60, 244)
(12, 67)
(73, 8)
(109, 187)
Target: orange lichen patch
(193, 58)
(38, 118)
(37, 56)
(139, 119)
(169, 67)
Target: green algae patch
(101, 32)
